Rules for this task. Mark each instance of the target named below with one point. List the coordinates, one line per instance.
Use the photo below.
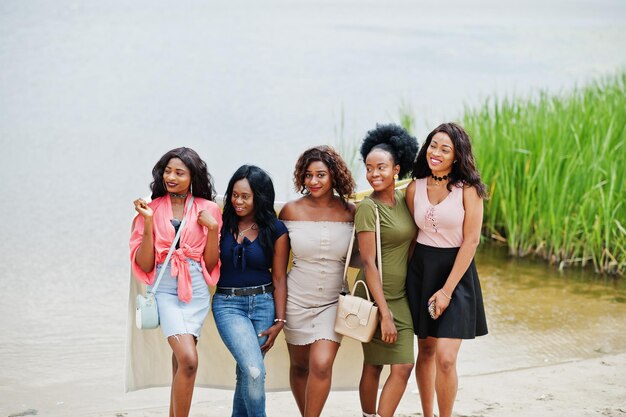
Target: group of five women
(429, 286)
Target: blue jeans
(239, 320)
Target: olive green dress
(397, 230)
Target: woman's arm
(145, 254)
(409, 197)
(367, 250)
(211, 249)
(279, 280)
(472, 225)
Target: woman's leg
(261, 312)
(183, 344)
(238, 320)
(184, 347)
(394, 388)
(446, 381)
(321, 358)
(368, 387)
(174, 369)
(425, 371)
(298, 372)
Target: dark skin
(380, 171)
(242, 199)
(436, 360)
(310, 370)
(177, 180)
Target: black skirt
(465, 316)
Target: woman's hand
(143, 208)
(205, 219)
(441, 303)
(388, 331)
(271, 334)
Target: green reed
(555, 168)
(348, 147)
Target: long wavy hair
(395, 140)
(464, 170)
(263, 204)
(201, 181)
(342, 182)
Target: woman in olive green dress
(388, 152)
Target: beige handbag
(358, 317)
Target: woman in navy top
(249, 303)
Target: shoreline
(579, 388)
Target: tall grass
(348, 148)
(555, 167)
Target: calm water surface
(91, 94)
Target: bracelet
(447, 296)
(280, 320)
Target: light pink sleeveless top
(440, 225)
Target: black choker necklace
(438, 179)
(179, 195)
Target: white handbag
(357, 317)
(146, 309)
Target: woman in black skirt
(446, 200)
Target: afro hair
(395, 140)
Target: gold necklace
(243, 232)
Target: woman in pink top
(183, 294)
(446, 200)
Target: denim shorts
(175, 316)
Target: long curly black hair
(263, 203)
(343, 183)
(395, 140)
(464, 170)
(201, 180)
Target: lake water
(92, 93)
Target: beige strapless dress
(315, 279)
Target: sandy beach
(92, 93)
(592, 387)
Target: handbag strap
(344, 285)
(169, 254)
(379, 259)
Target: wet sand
(591, 387)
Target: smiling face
(317, 179)
(380, 169)
(242, 198)
(440, 154)
(177, 177)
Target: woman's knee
(298, 364)
(446, 362)
(321, 369)
(426, 351)
(299, 369)
(372, 370)
(402, 371)
(187, 363)
(253, 372)
(185, 356)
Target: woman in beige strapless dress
(320, 225)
